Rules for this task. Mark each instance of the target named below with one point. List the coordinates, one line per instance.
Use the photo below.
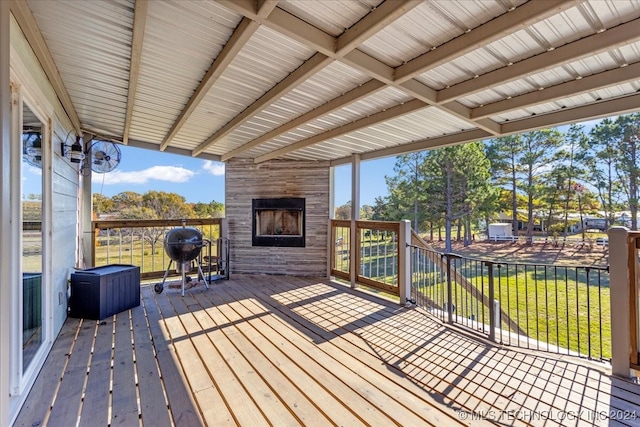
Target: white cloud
(214, 168)
(159, 173)
(34, 170)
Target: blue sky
(203, 181)
(200, 180)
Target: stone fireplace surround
(275, 179)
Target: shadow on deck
(279, 350)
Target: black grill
(183, 244)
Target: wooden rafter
(620, 35)
(377, 19)
(306, 70)
(514, 20)
(391, 113)
(563, 90)
(322, 42)
(238, 40)
(352, 96)
(139, 22)
(601, 109)
(425, 144)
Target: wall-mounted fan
(32, 148)
(103, 156)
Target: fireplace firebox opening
(278, 222)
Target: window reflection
(32, 238)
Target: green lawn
(123, 247)
(561, 306)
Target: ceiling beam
(265, 7)
(302, 73)
(615, 106)
(310, 36)
(560, 91)
(425, 144)
(241, 35)
(172, 150)
(352, 96)
(505, 24)
(591, 45)
(139, 21)
(388, 114)
(304, 33)
(607, 108)
(365, 28)
(374, 21)
(26, 21)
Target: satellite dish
(104, 156)
(32, 148)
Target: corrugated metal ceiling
(326, 79)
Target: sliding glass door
(31, 235)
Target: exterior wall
(245, 181)
(60, 203)
(64, 178)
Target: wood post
(620, 303)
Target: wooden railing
(140, 242)
(340, 255)
(374, 252)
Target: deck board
(367, 369)
(36, 408)
(294, 355)
(68, 399)
(264, 358)
(285, 351)
(182, 406)
(96, 402)
(124, 393)
(153, 404)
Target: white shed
(500, 229)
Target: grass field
(557, 296)
(122, 246)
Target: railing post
(492, 301)
(404, 261)
(354, 251)
(449, 303)
(620, 308)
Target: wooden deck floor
(285, 351)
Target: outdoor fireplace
(278, 222)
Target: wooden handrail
(356, 257)
(140, 223)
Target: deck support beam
(86, 211)
(619, 288)
(332, 215)
(355, 215)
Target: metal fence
(141, 242)
(560, 309)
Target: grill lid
(183, 244)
